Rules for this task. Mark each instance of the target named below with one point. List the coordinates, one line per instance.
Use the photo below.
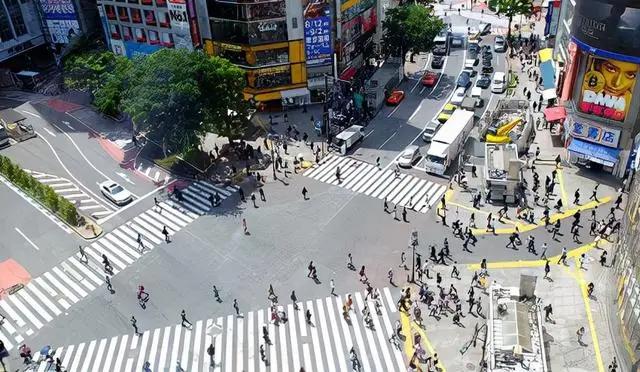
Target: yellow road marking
(553, 260)
(587, 307)
(563, 192)
(406, 331)
(427, 343)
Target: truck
(441, 43)
(347, 138)
(448, 142)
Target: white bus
(448, 142)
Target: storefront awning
(555, 113)
(348, 73)
(606, 156)
(291, 93)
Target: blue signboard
(61, 19)
(317, 41)
(139, 49)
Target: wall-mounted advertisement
(180, 24)
(604, 136)
(61, 19)
(317, 32)
(193, 24)
(117, 47)
(369, 20)
(607, 88)
(139, 49)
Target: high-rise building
(140, 27)
(20, 28)
(597, 83)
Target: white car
(458, 96)
(116, 193)
(499, 45)
(408, 156)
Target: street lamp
(273, 160)
(413, 242)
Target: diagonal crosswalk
(320, 346)
(364, 178)
(48, 296)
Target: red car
(430, 79)
(395, 97)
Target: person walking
(563, 256)
(304, 193)
(548, 311)
(547, 269)
(390, 276)
(157, 205)
(241, 193)
(236, 307)
(580, 334)
(332, 285)
(603, 259)
(307, 316)
(263, 356)
(403, 261)
(594, 193)
(216, 294)
(294, 299)
(404, 214)
(618, 201)
(107, 265)
(107, 281)
(576, 197)
(455, 273)
(165, 232)
(83, 255)
(244, 226)
(253, 199)
(185, 323)
(211, 351)
(583, 260)
(140, 242)
(134, 324)
(262, 197)
(338, 175)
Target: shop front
(593, 146)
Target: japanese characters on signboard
(607, 88)
(180, 24)
(593, 133)
(61, 19)
(317, 33)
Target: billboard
(369, 20)
(134, 49)
(180, 24)
(608, 25)
(317, 33)
(594, 133)
(607, 87)
(61, 19)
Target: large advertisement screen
(607, 87)
(180, 24)
(611, 25)
(61, 20)
(317, 32)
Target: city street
(317, 270)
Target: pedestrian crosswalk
(321, 345)
(196, 197)
(52, 293)
(68, 190)
(405, 190)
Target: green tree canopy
(511, 8)
(409, 27)
(175, 97)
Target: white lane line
(49, 131)
(31, 113)
(176, 345)
(416, 111)
(103, 220)
(395, 109)
(87, 359)
(424, 68)
(196, 347)
(27, 239)
(185, 348)
(154, 346)
(164, 350)
(295, 354)
(284, 346)
(98, 358)
(385, 142)
(240, 349)
(142, 354)
(317, 348)
(368, 134)
(326, 336)
(250, 343)
(218, 345)
(228, 357)
(108, 359)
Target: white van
(498, 83)
(430, 130)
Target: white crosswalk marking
(367, 179)
(48, 295)
(322, 345)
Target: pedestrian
(548, 311)
(332, 285)
(241, 193)
(244, 226)
(165, 232)
(107, 265)
(304, 193)
(529, 95)
(618, 201)
(211, 351)
(580, 333)
(140, 243)
(310, 267)
(294, 299)
(378, 162)
(262, 197)
(307, 316)
(216, 294)
(594, 194)
(544, 251)
(547, 269)
(390, 276)
(535, 106)
(107, 281)
(253, 199)
(338, 174)
(590, 288)
(263, 357)
(563, 256)
(603, 259)
(236, 307)
(134, 324)
(403, 261)
(83, 254)
(455, 273)
(404, 214)
(185, 322)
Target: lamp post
(413, 242)
(273, 160)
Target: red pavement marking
(111, 149)
(12, 273)
(62, 106)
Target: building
(141, 27)
(20, 28)
(597, 83)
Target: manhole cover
(471, 367)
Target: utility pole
(413, 242)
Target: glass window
(234, 56)
(150, 17)
(267, 10)
(133, 2)
(267, 32)
(272, 56)
(111, 12)
(163, 18)
(15, 13)
(5, 27)
(269, 77)
(235, 32)
(136, 15)
(228, 11)
(123, 14)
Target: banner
(317, 33)
(139, 49)
(607, 88)
(180, 24)
(61, 19)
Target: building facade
(141, 27)
(20, 28)
(597, 83)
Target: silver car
(408, 156)
(116, 193)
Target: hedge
(43, 193)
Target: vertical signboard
(193, 24)
(180, 24)
(317, 33)
(61, 19)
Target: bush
(43, 193)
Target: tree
(175, 97)
(511, 8)
(409, 28)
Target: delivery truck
(448, 142)
(348, 137)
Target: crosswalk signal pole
(414, 244)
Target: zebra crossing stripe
(98, 359)
(85, 365)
